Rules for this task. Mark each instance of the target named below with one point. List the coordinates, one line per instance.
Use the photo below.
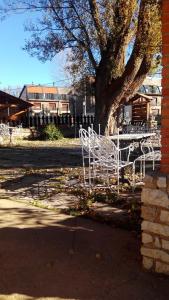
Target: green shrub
(51, 132)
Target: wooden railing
(67, 121)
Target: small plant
(51, 132)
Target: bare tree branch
(99, 28)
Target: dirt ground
(48, 255)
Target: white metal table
(132, 136)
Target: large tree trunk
(106, 106)
(105, 115)
(103, 105)
(109, 97)
(102, 114)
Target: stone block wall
(155, 224)
(155, 194)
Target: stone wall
(21, 132)
(155, 224)
(155, 194)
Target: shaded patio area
(45, 255)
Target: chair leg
(89, 172)
(153, 163)
(108, 179)
(134, 173)
(144, 168)
(84, 170)
(141, 169)
(118, 180)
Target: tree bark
(105, 115)
(102, 116)
(109, 97)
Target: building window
(152, 89)
(62, 96)
(37, 105)
(65, 107)
(35, 96)
(50, 96)
(52, 106)
(142, 90)
(56, 96)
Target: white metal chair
(4, 129)
(103, 155)
(84, 140)
(149, 154)
(88, 140)
(108, 158)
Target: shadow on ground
(26, 181)
(17, 157)
(43, 254)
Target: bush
(51, 132)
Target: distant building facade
(138, 109)
(149, 94)
(152, 88)
(148, 101)
(60, 100)
(47, 99)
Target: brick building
(47, 99)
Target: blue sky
(17, 67)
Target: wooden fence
(63, 121)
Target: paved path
(44, 255)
